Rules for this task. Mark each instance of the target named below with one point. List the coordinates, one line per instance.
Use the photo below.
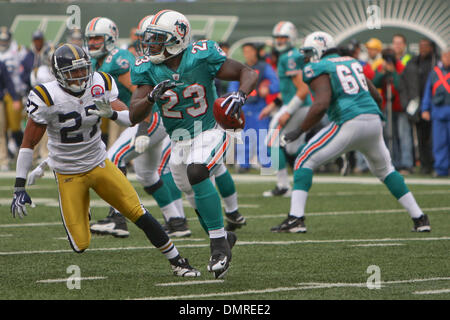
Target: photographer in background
(398, 133)
(412, 87)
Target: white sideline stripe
(253, 178)
(187, 283)
(65, 280)
(239, 243)
(301, 286)
(378, 245)
(5, 235)
(278, 215)
(432, 291)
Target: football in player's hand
(227, 121)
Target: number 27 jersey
(74, 135)
(191, 102)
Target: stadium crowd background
(398, 73)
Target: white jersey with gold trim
(74, 135)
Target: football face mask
(76, 77)
(155, 42)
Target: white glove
(37, 173)
(141, 143)
(104, 108)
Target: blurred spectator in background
(399, 46)
(267, 84)
(436, 107)
(6, 87)
(12, 55)
(34, 57)
(412, 86)
(374, 47)
(398, 132)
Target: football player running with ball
(179, 78)
(69, 108)
(352, 104)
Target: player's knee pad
(197, 172)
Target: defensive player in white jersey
(67, 109)
(178, 77)
(352, 104)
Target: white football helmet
(316, 44)
(169, 31)
(106, 28)
(142, 26)
(284, 29)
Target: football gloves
(291, 136)
(37, 173)
(104, 108)
(141, 143)
(159, 90)
(236, 100)
(21, 198)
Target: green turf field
(351, 226)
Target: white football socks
(298, 203)
(410, 204)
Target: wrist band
(114, 116)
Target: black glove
(292, 135)
(236, 100)
(159, 90)
(21, 198)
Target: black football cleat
(291, 224)
(421, 224)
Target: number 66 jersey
(74, 137)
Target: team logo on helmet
(182, 28)
(97, 91)
(322, 39)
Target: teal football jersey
(116, 63)
(189, 105)
(290, 63)
(350, 96)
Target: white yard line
(72, 279)
(188, 283)
(378, 245)
(433, 291)
(301, 286)
(269, 216)
(239, 243)
(5, 235)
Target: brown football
(227, 121)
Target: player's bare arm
(140, 106)
(33, 134)
(233, 70)
(322, 89)
(374, 93)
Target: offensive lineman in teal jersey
(294, 100)
(179, 78)
(350, 100)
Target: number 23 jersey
(74, 135)
(191, 102)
